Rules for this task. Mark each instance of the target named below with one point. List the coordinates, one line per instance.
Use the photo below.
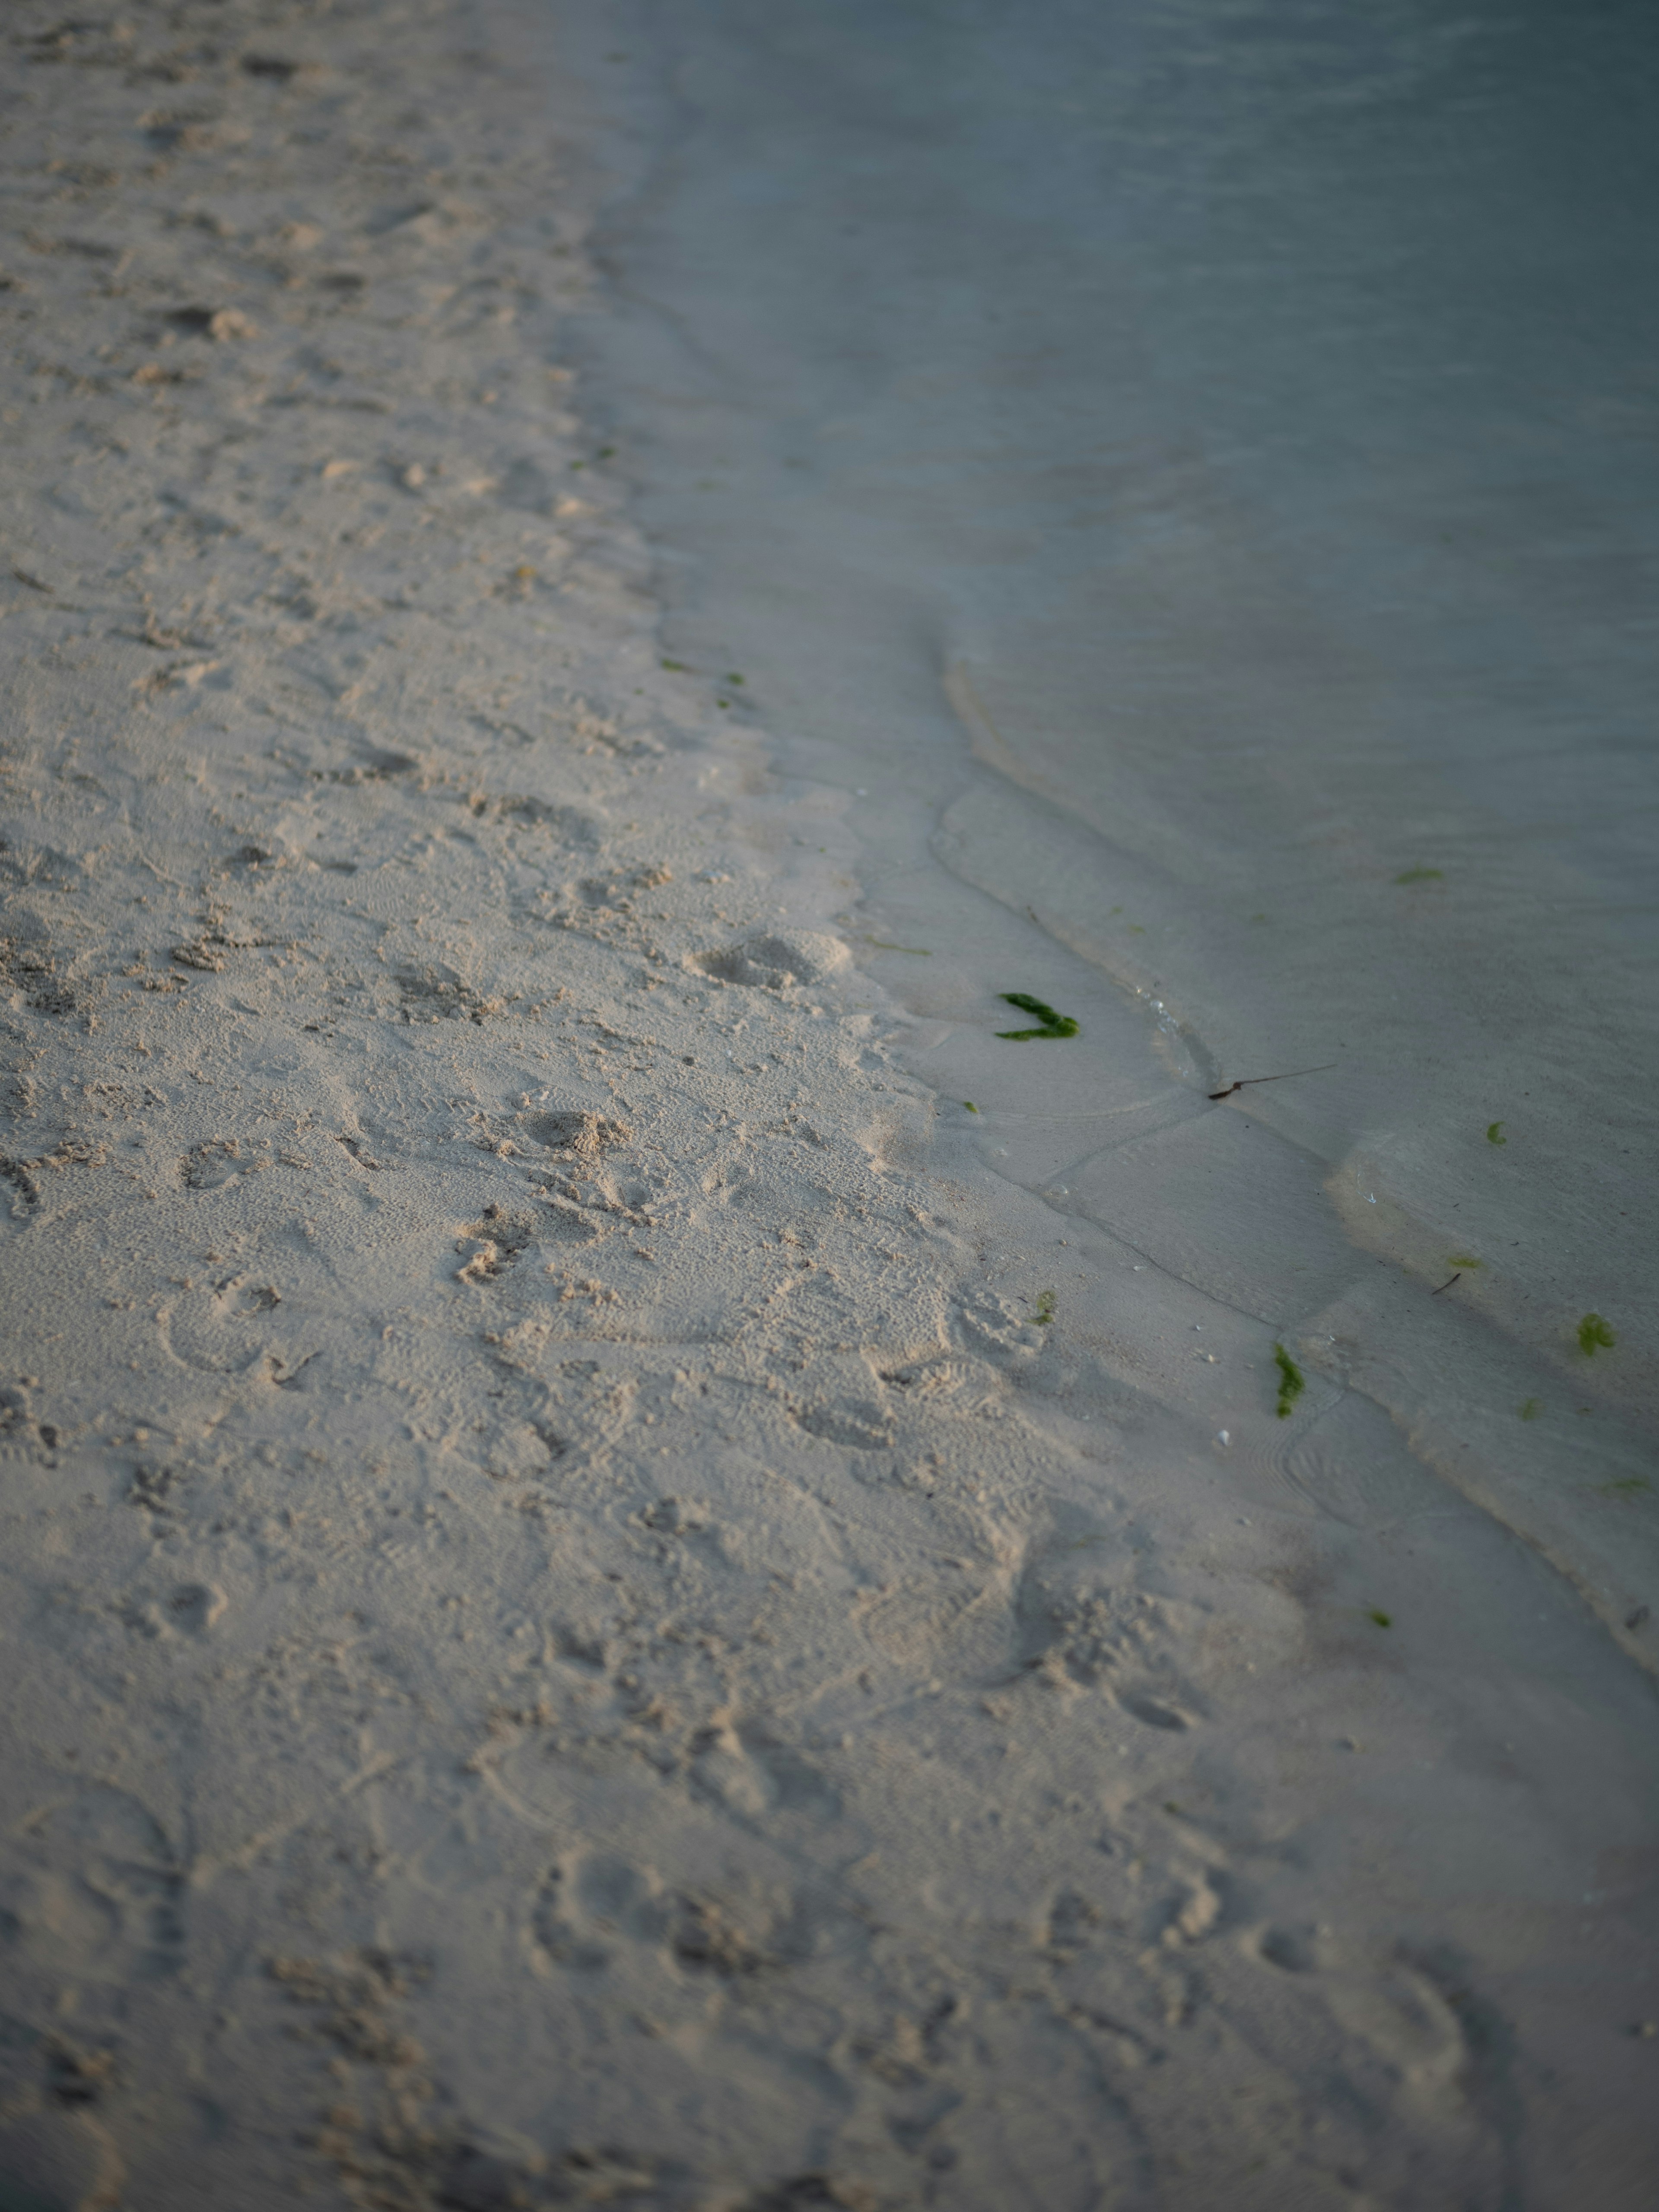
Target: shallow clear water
(1238, 421)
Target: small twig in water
(1447, 1284)
(1289, 1072)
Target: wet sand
(609, 1596)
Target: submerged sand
(598, 1607)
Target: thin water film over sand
(824, 1330)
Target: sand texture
(596, 1609)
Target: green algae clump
(1291, 1381)
(1053, 1025)
(1594, 1336)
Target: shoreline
(609, 1601)
(848, 492)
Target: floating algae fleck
(1495, 1134)
(1531, 1408)
(968, 1107)
(1463, 1260)
(1054, 1024)
(1383, 1619)
(1291, 1381)
(1045, 1309)
(1626, 1485)
(881, 945)
(1595, 1334)
(1421, 876)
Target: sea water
(1208, 452)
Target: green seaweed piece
(1291, 1381)
(1495, 1134)
(1045, 1309)
(1594, 1332)
(1054, 1024)
(1531, 1408)
(921, 952)
(733, 677)
(1421, 876)
(1383, 1619)
(679, 667)
(1625, 1486)
(968, 1107)
(1463, 1260)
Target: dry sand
(596, 1609)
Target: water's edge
(1274, 1206)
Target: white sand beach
(643, 1565)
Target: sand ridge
(595, 1611)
